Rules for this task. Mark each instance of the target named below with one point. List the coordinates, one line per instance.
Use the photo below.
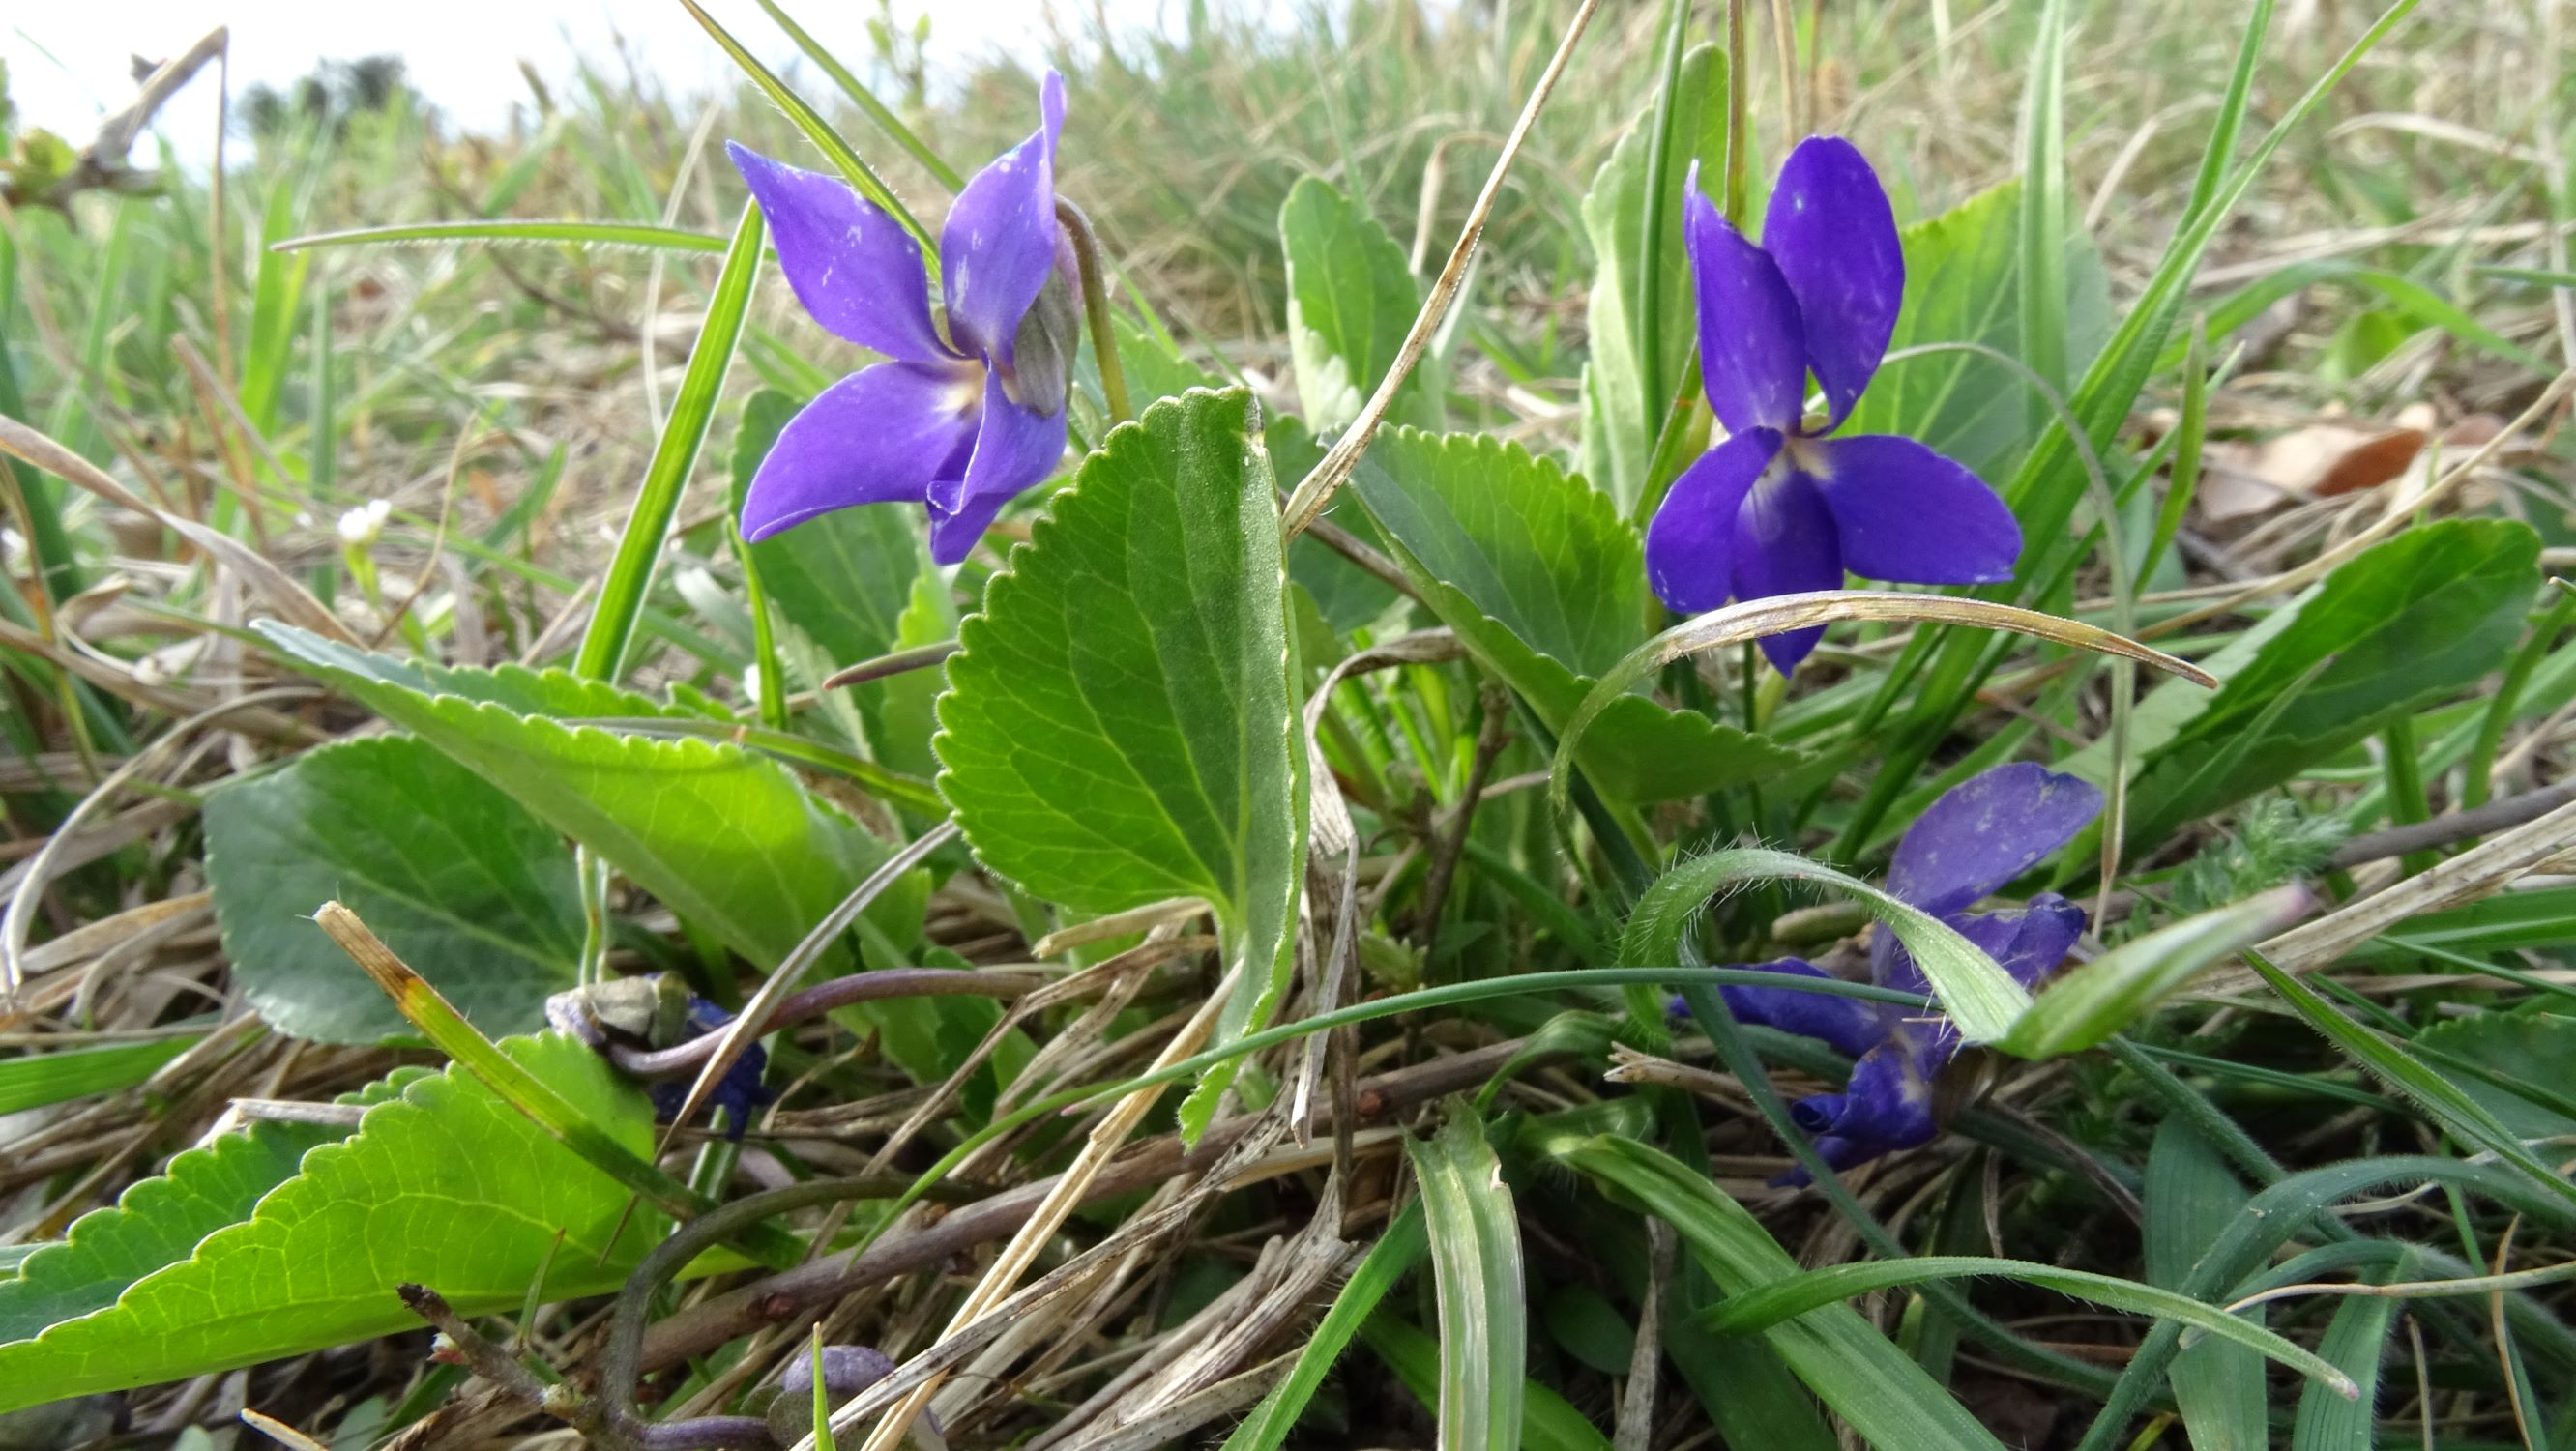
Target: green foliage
(38, 1079)
(1545, 585)
(1620, 420)
(443, 1185)
(1476, 1266)
(467, 887)
(1351, 300)
(1118, 729)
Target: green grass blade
(2232, 106)
(1981, 998)
(2355, 1340)
(1887, 1398)
(1475, 1241)
(586, 234)
(2453, 1109)
(42, 1078)
(866, 100)
(1811, 1290)
(2084, 1008)
(2043, 209)
(1388, 1261)
(819, 131)
(604, 645)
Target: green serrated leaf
(466, 886)
(444, 1185)
(1546, 586)
(1351, 299)
(2487, 1056)
(1121, 725)
(1619, 419)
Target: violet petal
(1907, 513)
(1846, 1025)
(1753, 359)
(1014, 449)
(855, 268)
(1886, 1106)
(1786, 543)
(998, 244)
(1690, 545)
(1831, 233)
(877, 436)
(1985, 831)
(2028, 942)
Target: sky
(68, 59)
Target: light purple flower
(1980, 835)
(1779, 506)
(959, 423)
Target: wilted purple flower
(1780, 507)
(1981, 834)
(958, 423)
(737, 1093)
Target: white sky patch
(69, 62)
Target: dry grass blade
(289, 598)
(1753, 619)
(2475, 873)
(752, 1021)
(1104, 1142)
(39, 869)
(1316, 489)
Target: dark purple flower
(959, 423)
(737, 1093)
(1981, 834)
(1779, 506)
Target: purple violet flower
(1981, 834)
(959, 423)
(1779, 506)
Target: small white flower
(363, 525)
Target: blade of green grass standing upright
(275, 294)
(621, 595)
(2043, 211)
(2355, 1340)
(322, 446)
(1476, 1271)
(2191, 1195)
(866, 100)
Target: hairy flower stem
(1095, 310)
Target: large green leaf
(1351, 299)
(1619, 420)
(1121, 724)
(2394, 628)
(2490, 1056)
(858, 583)
(472, 891)
(1546, 586)
(727, 838)
(1962, 285)
(445, 1185)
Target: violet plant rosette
(960, 421)
(1781, 506)
(1978, 836)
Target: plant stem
(1095, 310)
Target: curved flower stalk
(1781, 506)
(959, 420)
(1980, 835)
